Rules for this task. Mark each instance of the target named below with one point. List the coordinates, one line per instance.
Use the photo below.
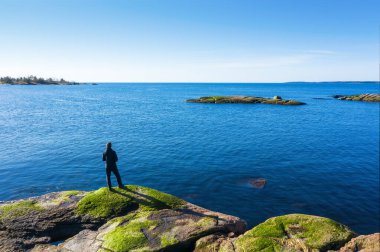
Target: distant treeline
(33, 80)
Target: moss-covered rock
(34, 206)
(147, 230)
(19, 208)
(40, 219)
(245, 99)
(105, 204)
(130, 235)
(132, 219)
(162, 230)
(151, 199)
(296, 232)
(143, 219)
(359, 97)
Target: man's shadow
(152, 202)
(142, 199)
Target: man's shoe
(122, 187)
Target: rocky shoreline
(245, 99)
(143, 219)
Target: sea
(321, 158)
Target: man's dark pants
(117, 175)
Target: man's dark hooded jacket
(110, 157)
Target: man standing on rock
(110, 157)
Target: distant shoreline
(45, 84)
(34, 80)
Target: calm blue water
(321, 158)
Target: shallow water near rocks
(57, 242)
(321, 158)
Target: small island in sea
(245, 99)
(360, 97)
(34, 80)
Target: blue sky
(191, 40)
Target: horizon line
(217, 82)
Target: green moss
(270, 228)
(168, 239)
(253, 244)
(129, 237)
(312, 231)
(207, 222)
(151, 199)
(104, 203)
(317, 232)
(131, 216)
(17, 209)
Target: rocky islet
(360, 97)
(277, 100)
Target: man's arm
(104, 156)
(116, 159)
